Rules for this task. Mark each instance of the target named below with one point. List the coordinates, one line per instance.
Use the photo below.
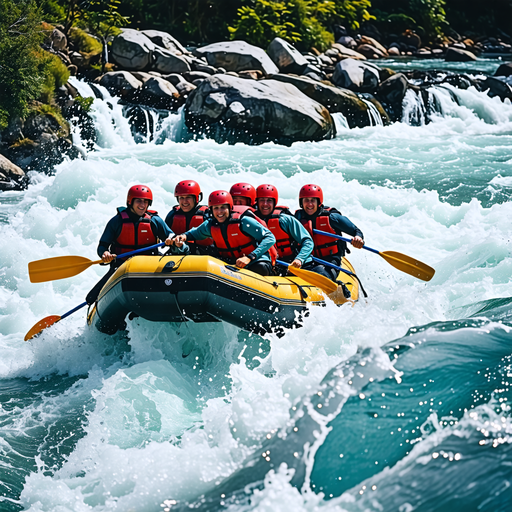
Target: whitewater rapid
(126, 422)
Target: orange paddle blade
(322, 282)
(409, 265)
(51, 269)
(41, 326)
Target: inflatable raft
(205, 289)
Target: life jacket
(285, 245)
(324, 245)
(231, 242)
(134, 235)
(180, 225)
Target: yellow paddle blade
(51, 269)
(322, 282)
(409, 265)
(41, 326)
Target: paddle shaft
(332, 265)
(73, 310)
(138, 251)
(338, 237)
(402, 262)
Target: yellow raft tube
(205, 289)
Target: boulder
(11, 176)
(355, 75)
(348, 53)
(332, 98)
(182, 86)
(373, 42)
(391, 93)
(505, 69)
(122, 83)
(167, 62)
(77, 59)
(228, 108)
(132, 50)
(286, 57)
(459, 55)
(36, 125)
(253, 74)
(496, 87)
(370, 52)
(347, 42)
(159, 93)
(142, 76)
(411, 39)
(165, 40)
(237, 56)
(59, 41)
(204, 68)
(314, 72)
(195, 75)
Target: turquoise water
(413, 384)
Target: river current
(401, 402)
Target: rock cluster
(235, 92)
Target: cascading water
(401, 402)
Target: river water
(401, 402)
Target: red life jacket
(232, 243)
(134, 235)
(285, 245)
(180, 226)
(324, 245)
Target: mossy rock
(84, 42)
(23, 143)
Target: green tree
(305, 23)
(353, 12)
(431, 16)
(22, 62)
(104, 20)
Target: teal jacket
(248, 226)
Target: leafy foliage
(56, 74)
(303, 22)
(431, 15)
(353, 12)
(22, 65)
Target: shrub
(53, 11)
(303, 22)
(431, 16)
(21, 68)
(56, 74)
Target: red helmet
(267, 191)
(220, 197)
(139, 192)
(243, 190)
(188, 188)
(311, 191)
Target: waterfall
(118, 124)
(413, 109)
(373, 114)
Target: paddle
(313, 278)
(398, 260)
(48, 321)
(61, 267)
